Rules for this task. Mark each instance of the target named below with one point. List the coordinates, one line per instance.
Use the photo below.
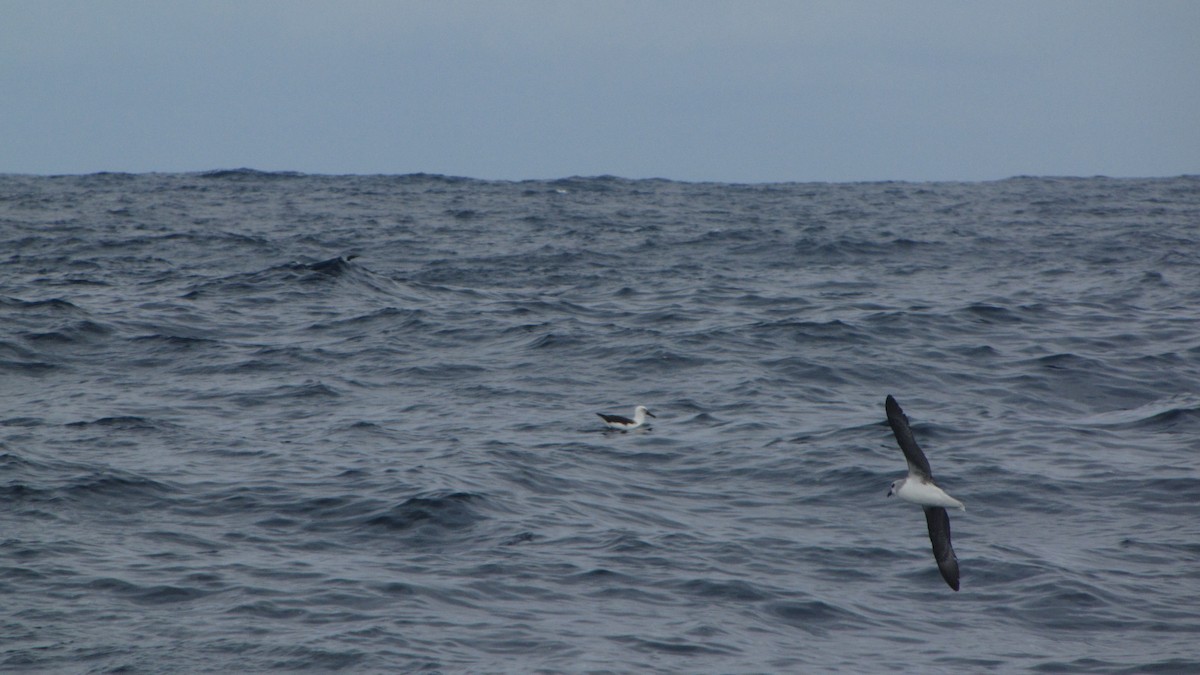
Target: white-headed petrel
(624, 423)
(919, 488)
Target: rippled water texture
(254, 422)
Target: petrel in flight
(919, 488)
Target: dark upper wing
(615, 419)
(943, 552)
(912, 452)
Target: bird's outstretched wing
(912, 452)
(943, 552)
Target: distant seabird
(624, 423)
(918, 487)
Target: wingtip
(891, 406)
(949, 572)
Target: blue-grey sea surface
(256, 422)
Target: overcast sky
(737, 91)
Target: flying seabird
(919, 488)
(624, 423)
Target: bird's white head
(895, 487)
(641, 412)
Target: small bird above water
(918, 487)
(622, 423)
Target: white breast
(927, 494)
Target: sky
(745, 91)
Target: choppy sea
(256, 422)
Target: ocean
(279, 422)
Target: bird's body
(918, 487)
(622, 423)
(921, 490)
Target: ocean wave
(1163, 414)
(283, 421)
(435, 512)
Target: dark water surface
(254, 422)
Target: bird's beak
(889, 492)
(651, 414)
